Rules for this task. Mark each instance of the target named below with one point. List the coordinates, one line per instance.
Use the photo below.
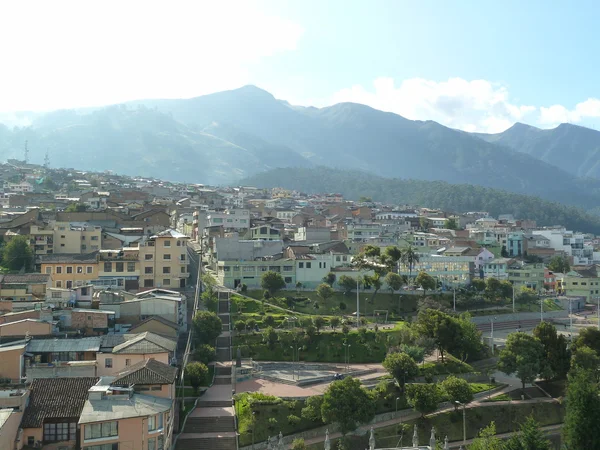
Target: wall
(139, 309)
(157, 328)
(10, 430)
(30, 314)
(119, 360)
(37, 434)
(59, 370)
(60, 279)
(24, 328)
(11, 363)
(177, 265)
(88, 320)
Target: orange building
(70, 270)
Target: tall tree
(588, 337)
(523, 355)
(329, 278)
(347, 283)
(457, 390)
(371, 259)
(487, 439)
(197, 375)
(401, 366)
(272, 282)
(348, 404)
(325, 291)
(424, 398)
(409, 258)
(207, 326)
(442, 328)
(395, 281)
(580, 429)
(585, 358)
(425, 282)
(558, 357)
(559, 264)
(451, 224)
(17, 254)
(529, 437)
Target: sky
(472, 65)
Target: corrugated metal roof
(89, 344)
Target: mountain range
(224, 137)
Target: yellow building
(70, 270)
(119, 268)
(76, 237)
(164, 261)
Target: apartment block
(164, 261)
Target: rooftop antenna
(46, 160)
(26, 153)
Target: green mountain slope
(573, 148)
(436, 194)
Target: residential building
(12, 361)
(42, 240)
(497, 268)
(527, 275)
(164, 261)
(54, 409)
(149, 376)
(265, 233)
(73, 237)
(10, 420)
(361, 231)
(310, 235)
(582, 282)
(119, 269)
(451, 271)
(24, 290)
(514, 244)
(70, 270)
(25, 328)
(157, 325)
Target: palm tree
(409, 258)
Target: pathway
(212, 424)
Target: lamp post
(253, 424)
(492, 333)
(513, 299)
(397, 398)
(346, 355)
(454, 292)
(293, 361)
(298, 362)
(598, 312)
(357, 300)
(464, 420)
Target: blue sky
(472, 65)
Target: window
(308, 265)
(182, 269)
(151, 443)
(130, 267)
(83, 238)
(301, 265)
(89, 318)
(56, 294)
(167, 243)
(288, 279)
(62, 236)
(108, 267)
(62, 245)
(57, 432)
(119, 267)
(127, 362)
(166, 282)
(155, 422)
(148, 283)
(108, 363)
(101, 430)
(94, 238)
(69, 284)
(226, 268)
(84, 247)
(151, 243)
(48, 270)
(178, 243)
(338, 258)
(114, 446)
(31, 441)
(89, 269)
(182, 257)
(166, 270)
(59, 284)
(148, 257)
(79, 269)
(148, 270)
(167, 257)
(69, 269)
(287, 268)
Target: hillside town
(103, 276)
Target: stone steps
(223, 354)
(209, 424)
(210, 443)
(223, 379)
(214, 404)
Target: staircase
(211, 426)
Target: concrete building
(70, 270)
(25, 328)
(119, 269)
(24, 290)
(73, 237)
(164, 261)
(527, 275)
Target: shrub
(293, 419)
(205, 353)
(239, 325)
(269, 321)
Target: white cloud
(476, 105)
(69, 53)
(557, 114)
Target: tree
(312, 408)
(251, 324)
(425, 282)
(457, 390)
(559, 264)
(588, 337)
(76, 207)
(298, 444)
(319, 323)
(451, 224)
(585, 358)
(298, 286)
(329, 278)
(523, 355)
(205, 353)
(401, 366)
(442, 328)
(334, 322)
(17, 254)
(478, 284)
(272, 282)
(347, 283)
(395, 281)
(527, 296)
(197, 374)
(504, 252)
(325, 291)
(270, 336)
(424, 398)
(529, 437)
(492, 288)
(207, 327)
(210, 295)
(269, 321)
(348, 404)
(580, 429)
(409, 258)
(371, 259)
(558, 357)
(239, 325)
(486, 439)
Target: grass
(450, 365)
(397, 305)
(366, 346)
(498, 398)
(506, 417)
(271, 415)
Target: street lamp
(347, 356)
(464, 420)
(492, 333)
(397, 398)
(253, 425)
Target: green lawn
(498, 398)
(365, 346)
(398, 306)
(450, 365)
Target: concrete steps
(209, 424)
(223, 379)
(206, 443)
(214, 404)
(223, 354)
(222, 370)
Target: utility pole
(492, 334)
(357, 301)
(46, 160)
(513, 286)
(598, 311)
(454, 290)
(26, 153)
